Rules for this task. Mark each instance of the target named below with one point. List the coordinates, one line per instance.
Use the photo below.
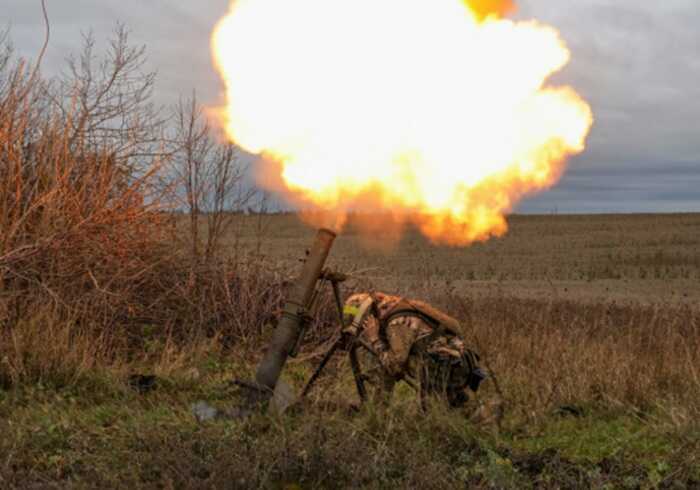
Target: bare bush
(87, 235)
(107, 103)
(77, 220)
(207, 178)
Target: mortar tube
(289, 326)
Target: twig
(47, 36)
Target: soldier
(412, 340)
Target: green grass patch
(114, 436)
(596, 437)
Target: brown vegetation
(89, 252)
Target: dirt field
(647, 259)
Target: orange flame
(487, 8)
(435, 111)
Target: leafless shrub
(77, 220)
(107, 103)
(87, 238)
(207, 178)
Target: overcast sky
(637, 62)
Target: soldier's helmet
(356, 299)
(382, 304)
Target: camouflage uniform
(409, 343)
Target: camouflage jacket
(394, 334)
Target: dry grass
(614, 342)
(639, 250)
(548, 355)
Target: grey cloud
(176, 35)
(618, 186)
(638, 64)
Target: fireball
(437, 112)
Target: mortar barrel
(289, 326)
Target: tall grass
(549, 354)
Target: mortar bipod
(350, 339)
(307, 315)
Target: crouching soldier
(415, 342)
